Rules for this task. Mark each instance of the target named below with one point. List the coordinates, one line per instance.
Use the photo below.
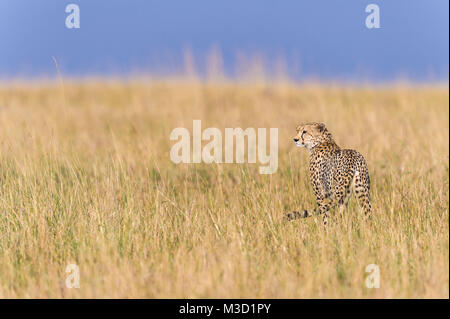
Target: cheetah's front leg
(324, 205)
(342, 191)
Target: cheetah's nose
(296, 140)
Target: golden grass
(86, 178)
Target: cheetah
(333, 172)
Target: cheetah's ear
(321, 127)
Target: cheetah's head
(310, 135)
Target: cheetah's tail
(303, 214)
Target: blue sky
(316, 39)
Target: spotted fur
(333, 172)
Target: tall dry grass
(86, 178)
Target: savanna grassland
(86, 178)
